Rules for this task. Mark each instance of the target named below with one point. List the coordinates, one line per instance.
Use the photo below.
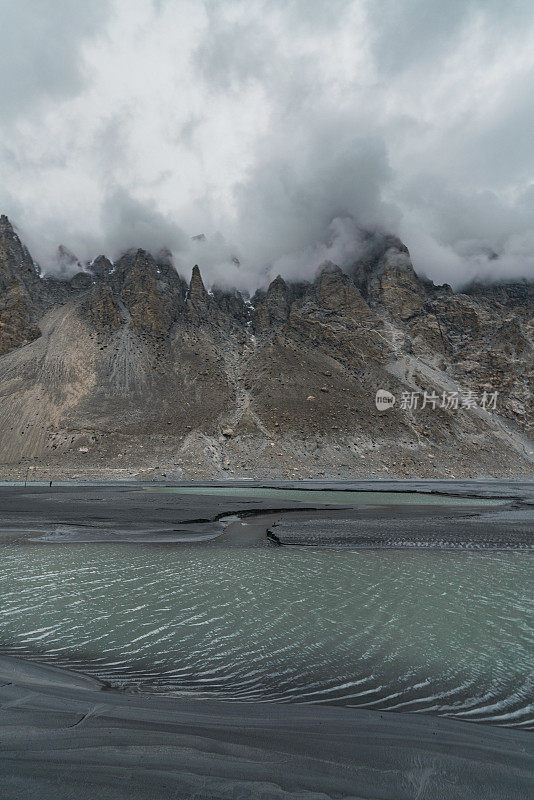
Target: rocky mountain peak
(273, 308)
(334, 290)
(328, 268)
(101, 267)
(385, 277)
(5, 225)
(12, 253)
(144, 260)
(396, 258)
(197, 290)
(379, 252)
(16, 264)
(20, 291)
(198, 300)
(277, 285)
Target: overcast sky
(278, 128)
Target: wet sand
(63, 737)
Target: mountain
(127, 369)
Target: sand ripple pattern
(445, 633)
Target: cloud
(125, 219)
(287, 203)
(277, 129)
(40, 43)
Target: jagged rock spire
(5, 224)
(196, 307)
(19, 291)
(275, 307)
(15, 260)
(197, 290)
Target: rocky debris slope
(126, 368)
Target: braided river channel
(423, 631)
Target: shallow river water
(440, 632)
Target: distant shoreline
(488, 515)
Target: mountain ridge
(127, 369)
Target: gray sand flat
(414, 527)
(118, 513)
(63, 737)
(144, 513)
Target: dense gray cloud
(412, 34)
(125, 219)
(277, 129)
(40, 43)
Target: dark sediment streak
(63, 737)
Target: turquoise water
(437, 632)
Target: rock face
(197, 305)
(151, 298)
(19, 288)
(127, 368)
(102, 308)
(389, 280)
(274, 306)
